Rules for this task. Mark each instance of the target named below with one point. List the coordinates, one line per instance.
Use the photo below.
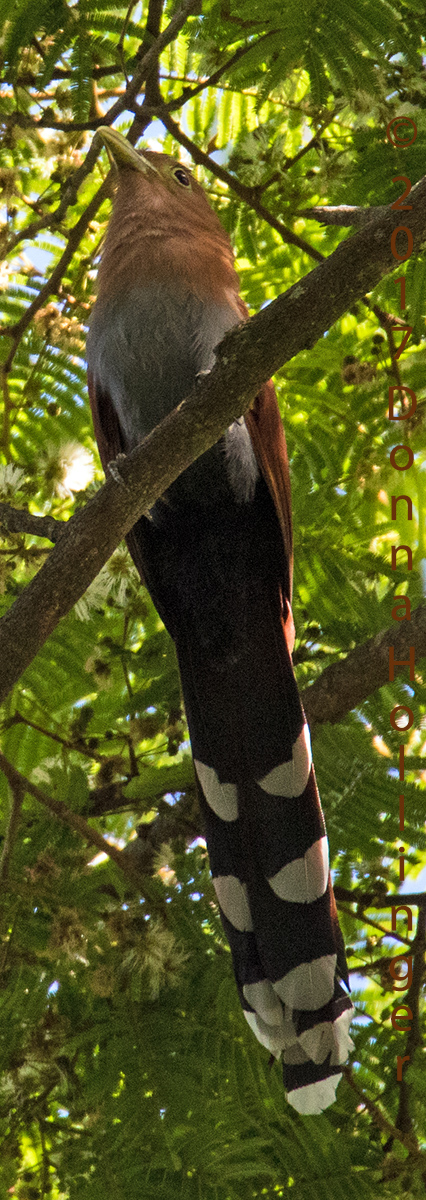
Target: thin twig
(377, 900)
(188, 93)
(79, 745)
(290, 162)
(45, 1168)
(30, 80)
(17, 791)
(25, 234)
(149, 60)
(20, 784)
(380, 1120)
(388, 323)
(124, 664)
(5, 438)
(50, 287)
(404, 1120)
(360, 916)
(18, 520)
(120, 44)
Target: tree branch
(188, 93)
(79, 746)
(18, 520)
(149, 60)
(346, 683)
(246, 357)
(360, 915)
(288, 163)
(28, 79)
(343, 214)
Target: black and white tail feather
(268, 853)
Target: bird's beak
(121, 153)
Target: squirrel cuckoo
(215, 552)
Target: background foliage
(126, 1066)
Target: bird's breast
(144, 349)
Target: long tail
(215, 575)
(268, 851)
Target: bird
(215, 552)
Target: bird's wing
(265, 427)
(264, 424)
(105, 422)
(110, 441)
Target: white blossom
(10, 479)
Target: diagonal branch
(348, 682)
(246, 357)
(20, 785)
(361, 915)
(290, 162)
(188, 93)
(381, 1121)
(149, 60)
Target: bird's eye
(181, 177)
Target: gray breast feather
(145, 349)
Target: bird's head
(157, 179)
(163, 225)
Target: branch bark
(342, 214)
(348, 682)
(247, 357)
(18, 520)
